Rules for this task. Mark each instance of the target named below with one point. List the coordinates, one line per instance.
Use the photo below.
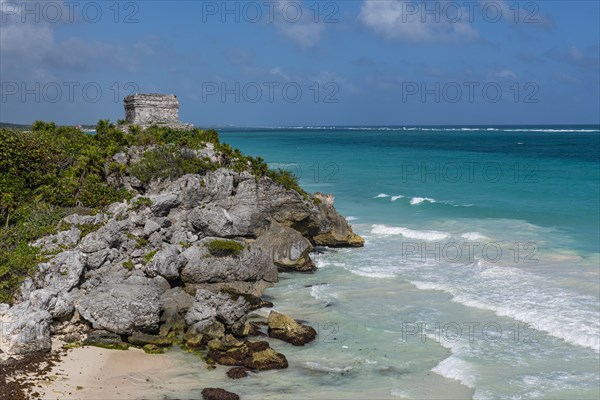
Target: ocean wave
(351, 218)
(527, 298)
(456, 368)
(371, 273)
(381, 195)
(419, 200)
(474, 236)
(408, 233)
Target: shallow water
(480, 273)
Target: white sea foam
(473, 236)
(381, 195)
(351, 218)
(419, 200)
(456, 368)
(408, 233)
(372, 273)
(314, 366)
(323, 292)
(394, 198)
(525, 297)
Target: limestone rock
(167, 263)
(25, 329)
(62, 273)
(209, 307)
(121, 309)
(288, 249)
(252, 264)
(287, 329)
(59, 304)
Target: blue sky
(348, 62)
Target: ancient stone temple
(153, 109)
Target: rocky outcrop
(147, 269)
(287, 329)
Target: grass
(148, 257)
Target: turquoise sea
(480, 276)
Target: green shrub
(168, 162)
(224, 248)
(128, 265)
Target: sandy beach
(96, 373)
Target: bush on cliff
(224, 248)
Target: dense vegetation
(50, 171)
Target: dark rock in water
(218, 394)
(252, 355)
(237, 373)
(287, 329)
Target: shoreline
(88, 373)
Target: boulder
(334, 230)
(288, 249)
(62, 273)
(25, 329)
(250, 265)
(59, 304)
(210, 307)
(287, 329)
(122, 309)
(237, 373)
(251, 355)
(167, 263)
(163, 203)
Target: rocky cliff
(183, 261)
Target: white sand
(95, 373)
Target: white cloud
(393, 19)
(298, 26)
(506, 74)
(278, 71)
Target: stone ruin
(146, 110)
